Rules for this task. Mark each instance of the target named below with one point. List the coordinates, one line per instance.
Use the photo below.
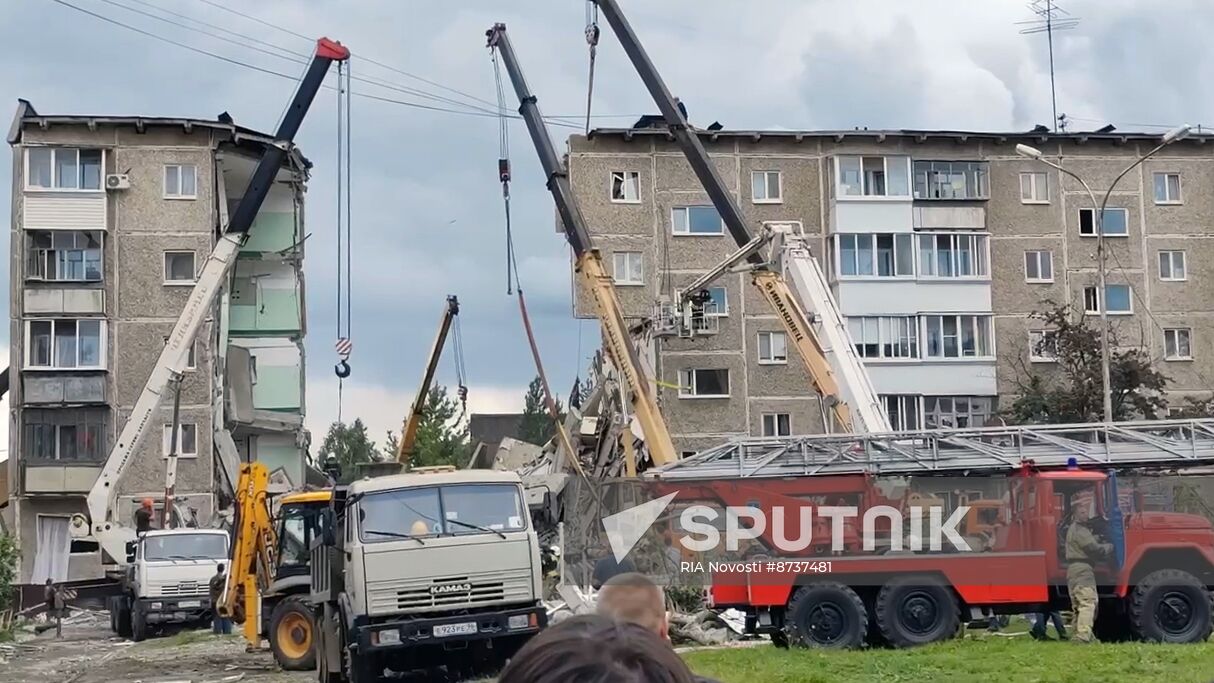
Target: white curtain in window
(54, 545)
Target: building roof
(26, 115)
(1038, 135)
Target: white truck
(425, 570)
(166, 580)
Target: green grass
(181, 638)
(987, 659)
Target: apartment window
(879, 255)
(178, 267)
(64, 434)
(1043, 346)
(1176, 343)
(707, 383)
(951, 180)
(1172, 266)
(65, 344)
(1167, 188)
(873, 176)
(627, 268)
(952, 255)
(625, 187)
(773, 348)
(63, 255)
(766, 187)
(777, 424)
(1038, 266)
(191, 359)
(958, 336)
(959, 412)
(1115, 224)
(1034, 188)
(902, 411)
(187, 440)
(696, 220)
(63, 168)
(1119, 299)
(180, 182)
(884, 336)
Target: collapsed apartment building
(112, 217)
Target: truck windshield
(455, 509)
(185, 547)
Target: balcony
(57, 478)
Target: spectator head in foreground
(595, 649)
(635, 599)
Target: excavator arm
(589, 264)
(408, 437)
(253, 549)
(111, 533)
(775, 289)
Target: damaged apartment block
(112, 220)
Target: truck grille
(183, 588)
(468, 590)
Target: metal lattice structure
(1163, 444)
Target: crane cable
(344, 344)
(592, 41)
(461, 373)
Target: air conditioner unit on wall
(117, 181)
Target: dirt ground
(89, 653)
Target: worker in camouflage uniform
(1083, 549)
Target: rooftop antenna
(1051, 18)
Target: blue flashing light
(1072, 463)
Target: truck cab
(416, 571)
(167, 580)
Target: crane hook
(342, 369)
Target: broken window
(63, 255)
(704, 383)
(1115, 223)
(178, 267)
(625, 186)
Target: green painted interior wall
(288, 458)
(271, 231)
(277, 388)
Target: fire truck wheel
(826, 615)
(1170, 606)
(292, 631)
(916, 610)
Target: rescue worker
(219, 625)
(143, 517)
(1083, 549)
(55, 605)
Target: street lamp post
(1098, 220)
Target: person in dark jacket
(219, 581)
(55, 605)
(143, 517)
(634, 598)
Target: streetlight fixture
(1178, 133)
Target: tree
(350, 445)
(441, 438)
(1074, 393)
(10, 552)
(536, 425)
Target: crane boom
(111, 533)
(408, 437)
(771, 284)
(589, 263)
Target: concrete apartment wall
(138, 307)
(806, 163)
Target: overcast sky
(426, 202)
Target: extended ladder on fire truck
(1146, 444)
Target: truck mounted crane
(102, 522)
(408, 438)
(821, 341)
(589, 265)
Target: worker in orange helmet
(143, 517)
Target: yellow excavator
(268, 579)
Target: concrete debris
(705, 627)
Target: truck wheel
(826, 615)
(291, 633)
(1170, 606)
(139, 626)
(916, 610)
(323, 675)
(122, 617)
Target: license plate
(184, 604)
(463, 629)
